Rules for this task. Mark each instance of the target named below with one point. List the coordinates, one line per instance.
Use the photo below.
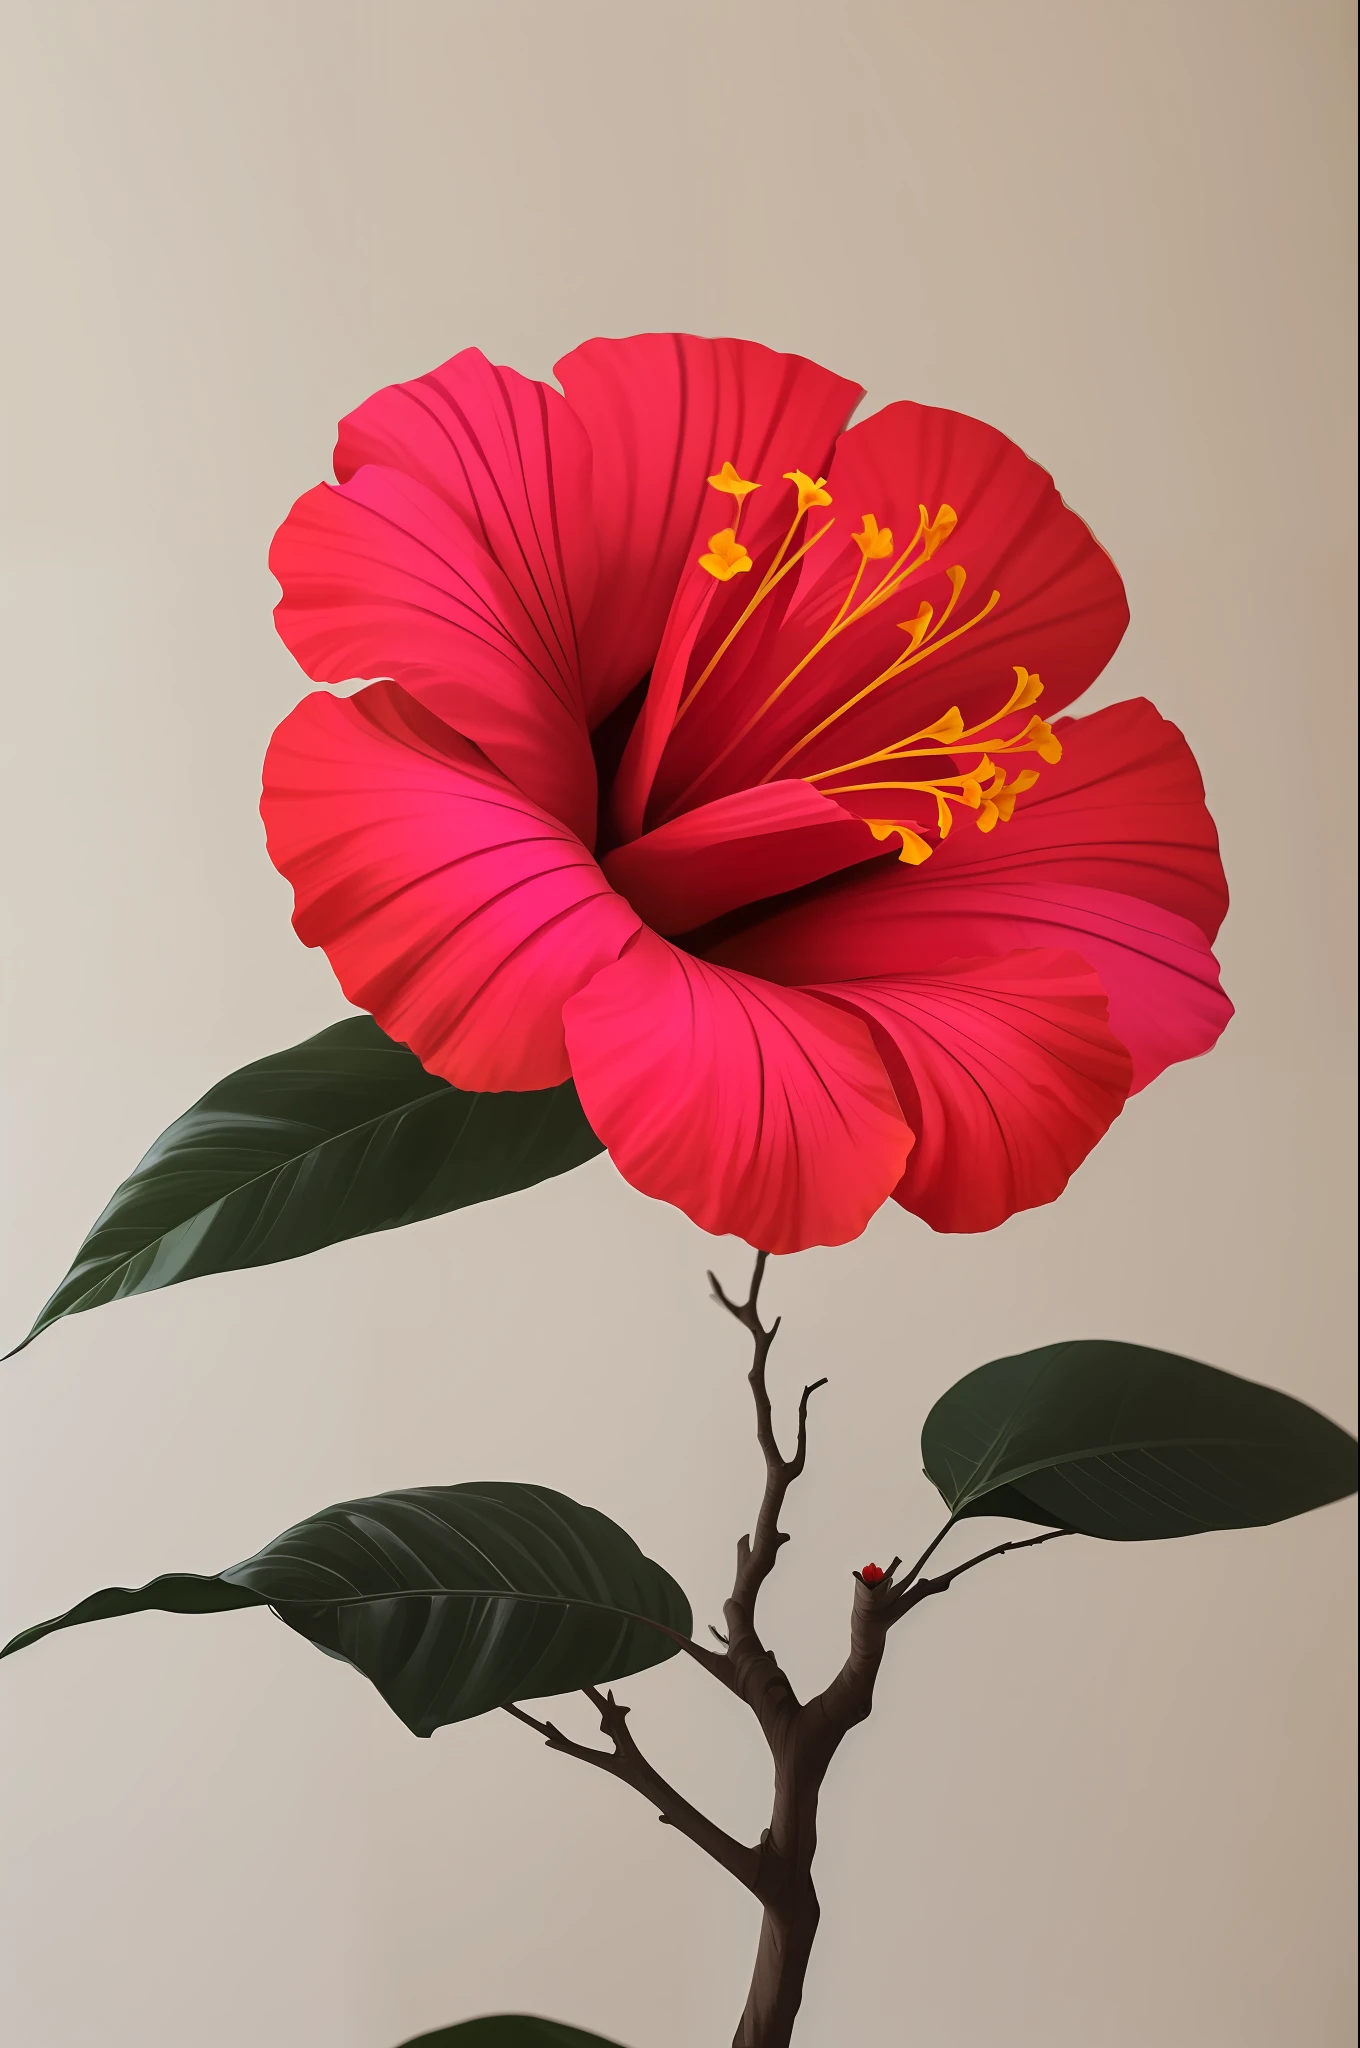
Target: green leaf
(510, 2030)
(334, 1138)
(451, 1599)
(1119, 1441)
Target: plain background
(1105, 1796)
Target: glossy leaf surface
(337, 1137)
(452, 1600)
(1122, 1442)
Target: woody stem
(802, 1737)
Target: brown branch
(802, 1739)
(624, 1760)
(849, 1698)
(909, 1595)
(750, 1669)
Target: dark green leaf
(1118, 1441)
(510, 2030)
(334, 1138)
(176, 1593)
(451, 1599)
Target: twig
(910, 1595)
(756, 1553)
(625, 1761)
(802, 1739)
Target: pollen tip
(873, 541)
(730, 479)
(726, 557)
(811, 490)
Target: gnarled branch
(625, 1761)
(802, 1739)
(750, 1669)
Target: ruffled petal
(1008, 1073)
(756, 843)
(1157, 969)
(663, 413)
(457, 556)
(1124, 810)
(758, 1111)
(1060, 612)
(457, 912)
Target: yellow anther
(917, 628)
(969, 785)
(937, 530)
(875, 542)
(810, 492)
(728, 480)
(726, 557)
(998, 799)
(1039, 738)
(914, 848)
(947, 742)
(945, 730)
(1028, 690)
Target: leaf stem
(910, 1595)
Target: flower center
(981, 786)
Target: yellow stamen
(728, 480)
(998, 799)
(926, 633)
(845, 617)
(922, 641)
(915, 849)
(1028, 690)
(917, 628)
(993, 799)
(777, 570)
(727, 557)
(957, 578)
(776, 573)
(948, 735)
(875, 542)
(810, 492)
(939, 530)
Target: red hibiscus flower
(705, 767)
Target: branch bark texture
(802, 1736)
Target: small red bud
(872, 1574)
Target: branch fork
(802, 1737)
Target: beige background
(1104, 1800)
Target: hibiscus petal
(663, 413)
(756, 843)
(1124, 809)
(758, 1111)
(457, 912)
(1157, 969)
(511, 459)
(1113, 855)
(1008, 1074)
(456, 556)
(1061, 611)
